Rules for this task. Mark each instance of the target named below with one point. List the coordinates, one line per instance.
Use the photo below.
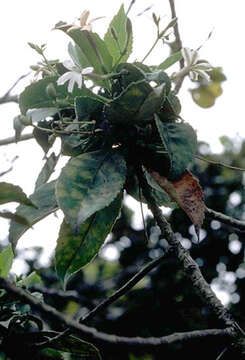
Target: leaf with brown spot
(187, 193)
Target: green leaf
(132, 187)
(32, 279)
(77, 56)
(75, 251)
(171, 60)
(47, 170)
(160, 77)
(152, 104)
(124, 107)
(6, 261)
(42, 138)
(180, 141)
(93, 52)
(44, 198)
(13, 193)
(85, 107)
(35, 96)
(88, 183)
(119, 37)
(10, 216)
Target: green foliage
(13, 193)
(73, 251)
(6, 261)
(119, 38)
(180, 141)
(171, 60)
(44, 198)
(88, 183)
(47, 170)
(128, 118)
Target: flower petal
(203, 74)
(84, 17)
(63, 78)
(69, 64)
(87, 70)
(78, 79)
(71, 85)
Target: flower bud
(51, 91)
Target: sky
(32, 21)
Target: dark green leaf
(6, 261)
(13, 193)
(180, 141)
(132, 187)
(160, 77)
(47, 170)
(171, 108)
(171, 60)
(51, 354)
(42, 138)
(119, 38)
(44, 198)
(85, 107)
(75, 251)
(124, 107)
(152, 104)
(88, 183)
(10, 216)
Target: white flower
(75, 75)
(84, 24)
(194, 67)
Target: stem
(178, 45)
(125, 288)
(12, 140)
(228, 220)
(219, 163)
(151, 49)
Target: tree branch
(12, 140)
(11, 98)
(125, 288)
(100, 338)
(189, 266)
(228, 220)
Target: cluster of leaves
(127, 121)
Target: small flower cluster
(196, 67)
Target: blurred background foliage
(164, 302)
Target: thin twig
(228, 220)
(125, 288)
(12, 139)
(178, 43)
(218, 163)
(12, 98)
